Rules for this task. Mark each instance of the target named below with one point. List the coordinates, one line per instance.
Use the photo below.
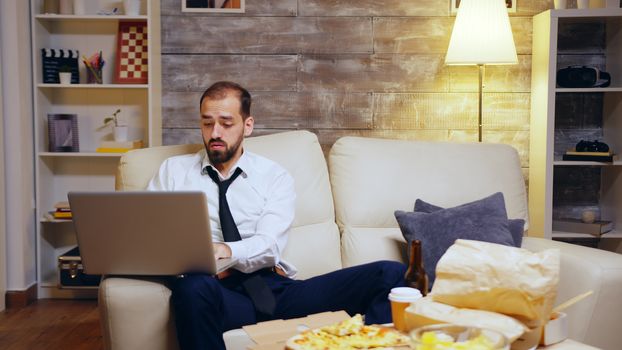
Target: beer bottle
(415, 274)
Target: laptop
(144, 233)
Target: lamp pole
(480, 66)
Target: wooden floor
(52, 324)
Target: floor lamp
(481, 36)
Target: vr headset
(582, 77)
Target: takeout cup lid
(404, 294)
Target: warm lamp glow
(481, 34)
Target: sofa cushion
(361, 245)
(481, 220)
(516, 226)
(372, 177)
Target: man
(260, 198)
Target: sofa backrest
(371, 178)
(314, 233)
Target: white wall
(18, 145)
(2, 199)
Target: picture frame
(63, 133)
(213, 6)
(510, 4)
(132, 64)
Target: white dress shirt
(261, 200)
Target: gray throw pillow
(516, 226)
(482, 220)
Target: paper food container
(272, 335)
(425, 311)
(556, 330)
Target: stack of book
(119, 147)
(596, 228)
(590, 156)
(62, 212)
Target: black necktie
(255, 286)
(230, 231)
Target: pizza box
(272, 335)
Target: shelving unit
(561, 117)
(58, 173)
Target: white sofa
(346, 218)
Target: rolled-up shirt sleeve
(263, 247)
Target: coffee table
(237, 339)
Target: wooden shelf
(594, 89)
(584, 163)
(93, 86)
(52, 17)
(57, 173)
(554, 188)
(56, 221)
(79, 154)
(49, 289)
(585, 13)
(608, 235)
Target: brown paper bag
(498, 278)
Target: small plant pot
(64, 78)
(120, 133)
(131, 7)
(79, 7)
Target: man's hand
(221, 250)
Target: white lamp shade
(481, 34)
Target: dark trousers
(206, 307)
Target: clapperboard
(52, 61)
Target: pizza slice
(350, 334)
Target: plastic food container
(453, 337)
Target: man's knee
(391, 272)
(195, 289)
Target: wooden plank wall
(345, 67)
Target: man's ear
(249, 124)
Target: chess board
(132, 63)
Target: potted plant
(119, 131)
(64, 75)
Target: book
(596, 228)
(62, 205)
(588, 158)
(112, 150)
(62, 215)
(119, 147)
(122, 144)
(575, 153)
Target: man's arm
(264, 248)
(162, 180)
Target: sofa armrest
(136, 314)
(595, 320)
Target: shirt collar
(243, 163)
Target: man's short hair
(222, 89)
